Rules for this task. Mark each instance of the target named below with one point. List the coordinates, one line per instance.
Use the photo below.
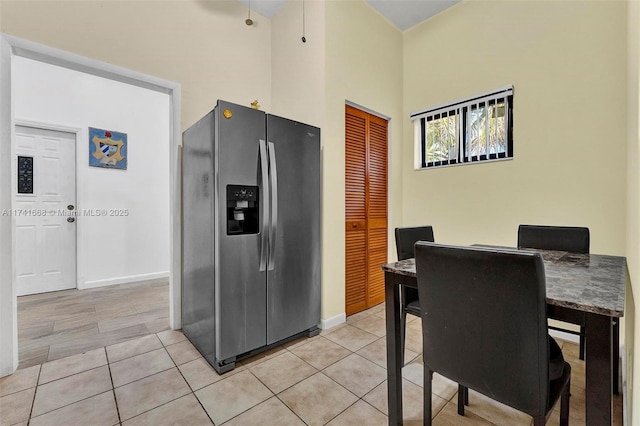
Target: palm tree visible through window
(471, 130)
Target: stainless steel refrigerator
(251, 232)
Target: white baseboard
(565, 336)
(333, 321)
(8, 370)
(124, 280)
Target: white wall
(204, 46)
(111, 249)
(8, 305)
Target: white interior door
(44, 199)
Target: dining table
(584, 289)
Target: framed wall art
(107, 148)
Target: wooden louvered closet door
(366, 208)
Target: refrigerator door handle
(265, 205)
(274, 206)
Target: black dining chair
(484, 326)
(563, 238)
(405, 239)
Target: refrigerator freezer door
(240, 288)
(293, 286)
(198, 236)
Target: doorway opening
(11, 51)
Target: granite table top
(586, 282)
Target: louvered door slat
(355, 213)
(377, 209)
(356, 292)
(355, 170)
(365, 208)
(377, 255)
(377, 169)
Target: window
(468, 131)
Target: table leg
(394, 349)
(616, 354)
(599, 369)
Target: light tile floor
(336, 378)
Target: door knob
(71, 219)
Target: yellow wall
(566, 62)
(204, 46)
(363, 66)
(297, 91)
(632, 342)
(297, 68)
(565, 59)
(573, 162)
(351, 54)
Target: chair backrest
(566, 238)
(484, 321)
(407, 237)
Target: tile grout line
(132, 356)
(446, 401)
(71, 375)
(371, 405)
(141, 378)
(352, 353)
(276, 395)
(288, 408)
(67, 405)
(362, 398)
(354, 324)
(75, 402)
(265, 360)
(335, 362)
(367, 402)
(351, 405)
(323, 369)
(113, 389)
(288, 387)
(263, 384)
(164, 403)
(179, 371)
(187, 382)
(342, 346)
(35, 391)
(330, 378)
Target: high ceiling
(402, 13)
(405, 14)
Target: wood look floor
(63, 323)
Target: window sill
(417, 169)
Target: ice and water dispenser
(242, 209)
